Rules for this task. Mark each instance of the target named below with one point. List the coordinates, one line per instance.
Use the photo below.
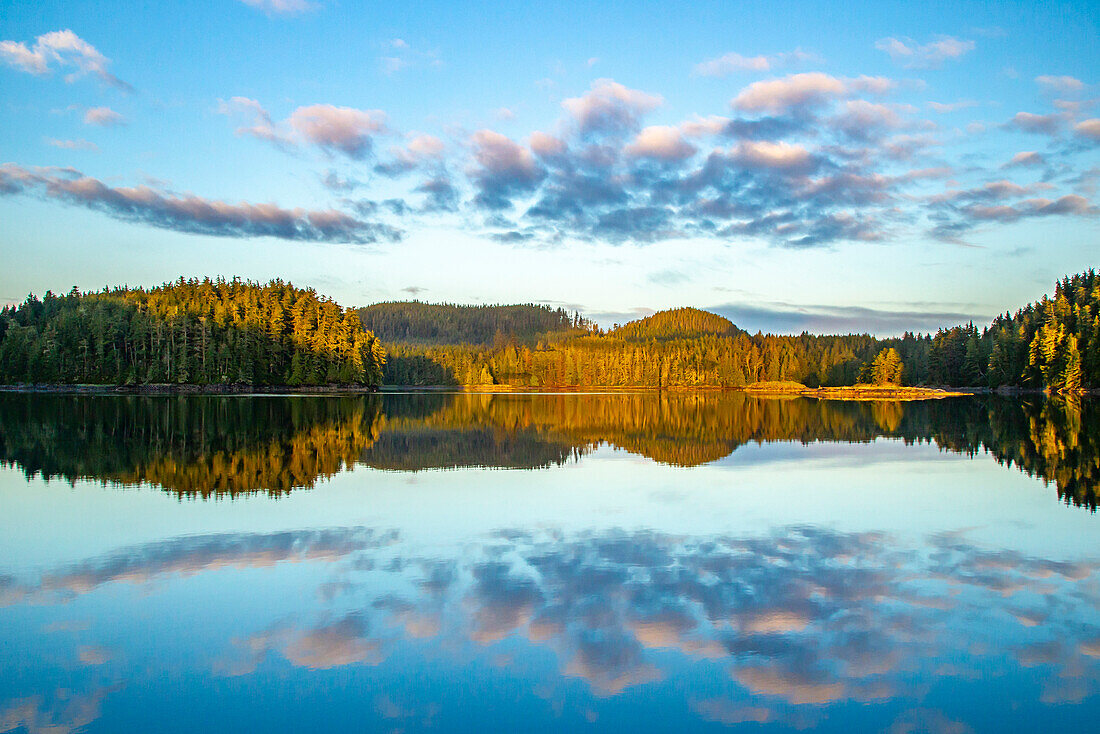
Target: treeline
(700, 361)
(190, 331)
(444, 323)
(1053, 345)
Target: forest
(217, 332)
(1053, 345)
(413, 322)
(203, 332)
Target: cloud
(401, 55)
(944, 108)
(660, 142)
(545, 145)
(1031, 123)
(794, 318)
(63, 49)
(1059, 84)
(419, 150)
(281, 7)
(192, 214)
(503, 169)
(912, 55)
(1069, 204)
(780, 96)
(1089, 129)
(864, 121)
(733, 62)
(336, 130)
(801, 93)
(72, 144)
(1026, 159)
(103, 117)
(609, 107)
(782, 156)
(957, 212)
(442, 196)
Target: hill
(194, 332)
(413, 322)
(677, 323)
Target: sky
(840, 167)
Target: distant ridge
(676, 323)
(414, 322)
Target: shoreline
(847, 393)
(169, 389)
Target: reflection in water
(793, 625)
(214, 445)
(587, 592)
(189, 445)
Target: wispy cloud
(1060, 84)
(399, 55)
(792, 318)
(945, 107)
(72, 144)
(190, 213)
(103, 117)
(732, 63)
(912, 55)
(59, 49)
(281, 7)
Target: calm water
(547, 563)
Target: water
(628, 562)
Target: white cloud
(912, 55)
(344, 130)
(610, 107)
(799, 91)
(662, 143)
(1060, 83)
(945, 107)
(103, 117)
(734, 62)
(1088, 129)
(72, 144)
(280, 7)
(762, 154)
(60, 48)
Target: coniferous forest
(203, 332)
(1053, 344)
(211, 332)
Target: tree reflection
(190, 445)
(208, 446)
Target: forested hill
(414, 322)
(678, 323)
(1053, 344)
(188, 332)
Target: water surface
(458, 562)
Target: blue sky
(858, 166)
